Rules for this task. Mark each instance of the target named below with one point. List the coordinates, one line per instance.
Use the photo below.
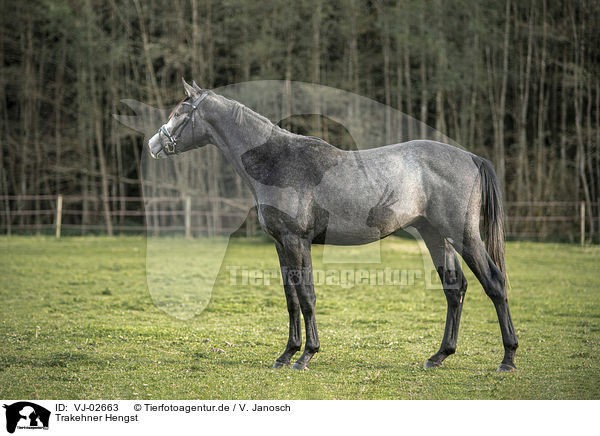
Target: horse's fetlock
(448, 350)
(511, 346)
(312, 348)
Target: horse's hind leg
(455, 286)
(295, 331)
(493, 282)
(296, 270)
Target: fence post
(59, 204)
(8, 230)
(188, 217)
(582, 222)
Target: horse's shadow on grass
(320, 365)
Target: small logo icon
(26, 415)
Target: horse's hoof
(431, 364)
(279, 364)
(506, 367)
(299, 366)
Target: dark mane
(241, 112)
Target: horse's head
(185, 129)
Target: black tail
(493, 214)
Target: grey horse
(309, 192)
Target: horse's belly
(359, 221)
(345, 230)
(333, 237)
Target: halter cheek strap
(170, 145)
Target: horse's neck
(238, 130)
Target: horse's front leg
(296, 270)
(295, 332)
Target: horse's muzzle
(156, 148)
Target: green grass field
(78, 322)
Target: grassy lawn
(78, 322)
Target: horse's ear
(189, 90)
(196, 87)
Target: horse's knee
(308, 310)
(307, 304)
(293, 308)
(460, 283)
(455, 287)
(463, 283)
(453, 279)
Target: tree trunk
(523, 192)
(147, 57)
(440, 115)
(316, 64)
(541, 115)
(97, 123)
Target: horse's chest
(277, 222)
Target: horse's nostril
(150, 149)
(154, 146)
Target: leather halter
(169, 146)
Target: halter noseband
(169, 147)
